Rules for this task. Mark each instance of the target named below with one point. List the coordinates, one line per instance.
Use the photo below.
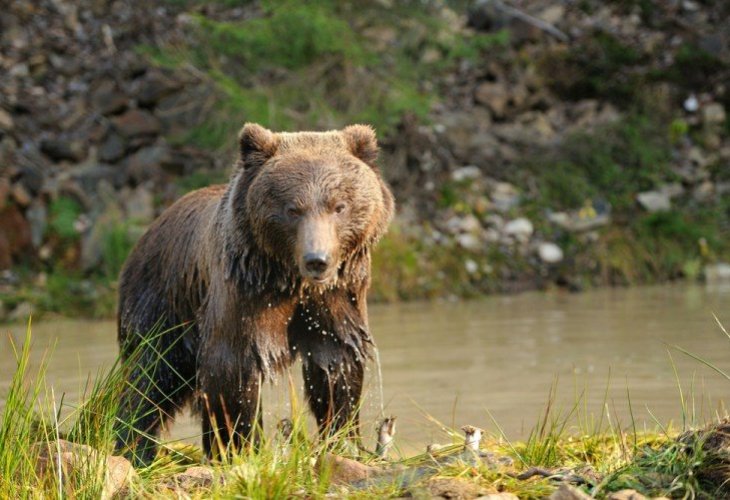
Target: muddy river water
(489, 362)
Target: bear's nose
(315, 263)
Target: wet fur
(212, 303)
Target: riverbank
(600, 454)
(51, 449)
(583, 145)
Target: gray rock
(626, 494)
(494, 96)
(37, 217)
(672, 190)
(6, 121)
(108, 99)
(153, 86)
(568, 492)
(21, 313)
(59, 150)
(654, 201)
(139, 204)
(719, 272)
(470, 172)
(520, 228)
(146, 164)
(135, 123)
(463, 224)
(504, 196)
(550, 253)
(112, 149)
(469, 241)
(704, 191)
(713, 114)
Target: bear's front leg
(334, 394)
(242, 343)
(330, 333)
(231, 408)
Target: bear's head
(313, 200)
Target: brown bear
(233, 282)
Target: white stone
(691, 104)
(717, 272)
(468, 241)
(550, 253)
(470, 172)
(471, 266)
(519, 228)
(654, 201)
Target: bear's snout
(316, 263)
(317, 248)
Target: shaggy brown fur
(272, 265)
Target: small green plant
(63, 213)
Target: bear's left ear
(256, 144)
(362, 143)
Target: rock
(82, 463)
(469, 172)
(21, 195)
(153, 86)
(713, 114)
(37, 217)
(494, 96)
(108, 99)
(146, 164)
(4, 191)
(471, 266)
(520, 228)
(193, 478)
(344, 471)
(704, 191)
(139, 205)
(21, 313)
(672, 190)
(58, 150)
(499, 496)
(451, 487)
(112, 149)
(625, 495)
(6, 121)
(466, 224)
(654, 201)
(15, 236)
(504, 196)
(549, 253)
(468, 241)
(716, 273)
(691, 104)
(568, 492)
(135, 123)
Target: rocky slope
(528, 143)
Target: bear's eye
(340, 208)
(293, 212)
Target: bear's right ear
(256, 144)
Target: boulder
(82, 463)
(625, 495)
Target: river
(490, 362)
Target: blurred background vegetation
(530, 144)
